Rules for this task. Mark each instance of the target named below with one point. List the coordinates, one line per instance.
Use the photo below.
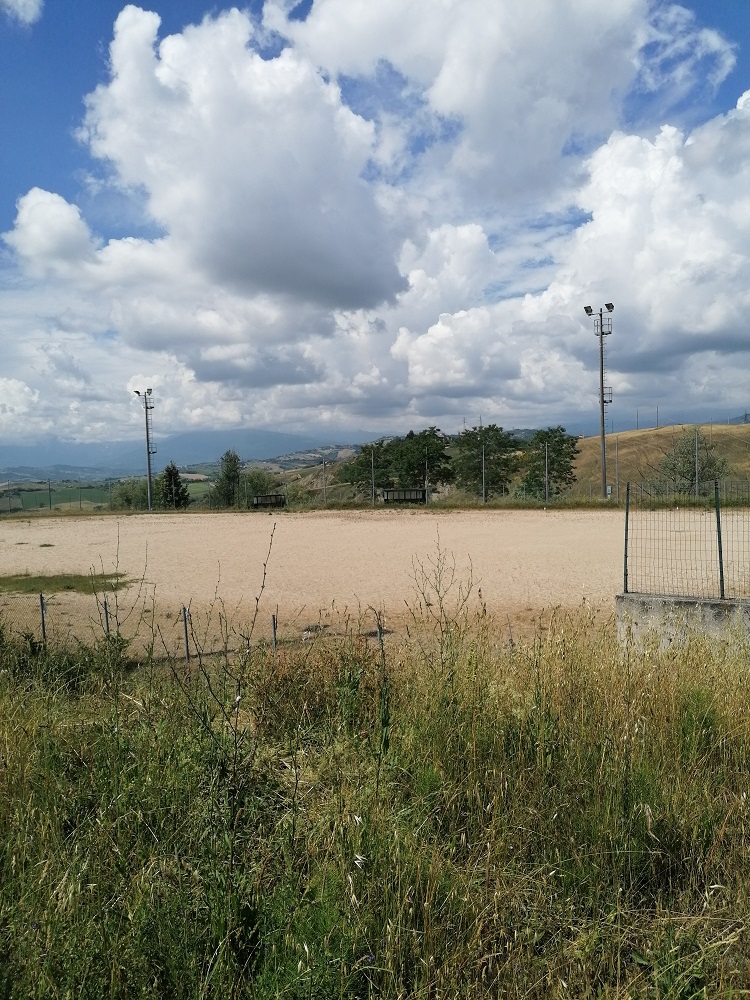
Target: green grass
(80, 583)
(442, 815)
(197, 489)
(87, 496)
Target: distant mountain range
(56, 459)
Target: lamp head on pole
(608, 305)
(588, 310)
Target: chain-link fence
(68, 620)
(687, 543)
(16, 497)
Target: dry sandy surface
(333, 563)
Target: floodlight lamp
(137, 392)
(149, 391)
(609, 306)
(588, 310)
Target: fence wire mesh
(688, 543)
(69, 620)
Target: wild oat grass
(440, 815)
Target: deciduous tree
(371, 462)
(549, 462)
(226, 488)
(487, 457)
(420, 459)
(259, 482)
(130, 494)
(692, 458)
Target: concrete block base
(649, 617)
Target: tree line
(485, 461)
(481, 460)
(230, 488)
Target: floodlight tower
(602, 329)
(148, 405)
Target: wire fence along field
(687, 543)
(73, 621)
(17, 497)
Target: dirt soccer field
(331, 564)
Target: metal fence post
(185, 633)
(627, 525)
(42, 609)
(106, 617)
(273, 633)
(718, 538)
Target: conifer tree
(170, 492)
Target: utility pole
(602, 329)
(148, 406)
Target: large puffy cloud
(49, 234)
(524, 81)
(452, 266)
(670, 235)
(146, 295)
(16, 398)
(668, 241)
(252, 165)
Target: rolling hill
(635, 455)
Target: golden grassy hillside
(637, 454)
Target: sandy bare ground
(331, 563)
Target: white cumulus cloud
(49, 234)
(253, 165)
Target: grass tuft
(56, 583)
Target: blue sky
(732, 19)
(340, 215)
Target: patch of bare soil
(326, 567)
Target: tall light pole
(148, 405)
(602, 329)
